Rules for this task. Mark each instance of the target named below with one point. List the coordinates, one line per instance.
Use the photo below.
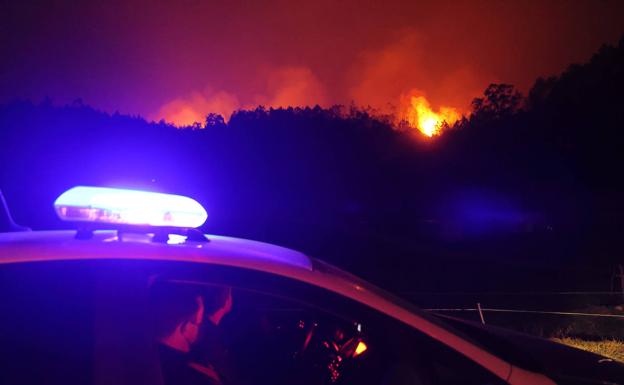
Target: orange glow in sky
(173, 64)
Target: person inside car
(211, 349)
(178, 312)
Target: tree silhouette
(214, 121)
(500, 100)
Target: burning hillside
(417, 113)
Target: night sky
(179, 60)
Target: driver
(178, 312)
(211, 349)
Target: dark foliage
(498, 101)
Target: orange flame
(420, 115)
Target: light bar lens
(129, 207)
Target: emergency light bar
(129, 207)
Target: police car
(74, 309)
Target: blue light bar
(129, 207)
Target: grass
(609, 348)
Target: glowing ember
(421, 116)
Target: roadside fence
(546, 314)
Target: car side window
(89, 323)
(287, 332)
(280, 341)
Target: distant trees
(561, 148)
(540, 92)
(499, 100)
(214, 121)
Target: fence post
(621, 276)
(480, 313)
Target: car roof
(32, 246)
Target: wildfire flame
(420, 115)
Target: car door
(283, 331)
(88, 322)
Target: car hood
(564, 364)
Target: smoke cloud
(294, 86)
(287, 86)
(194, 108)
(385, 77)
(181, 60)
